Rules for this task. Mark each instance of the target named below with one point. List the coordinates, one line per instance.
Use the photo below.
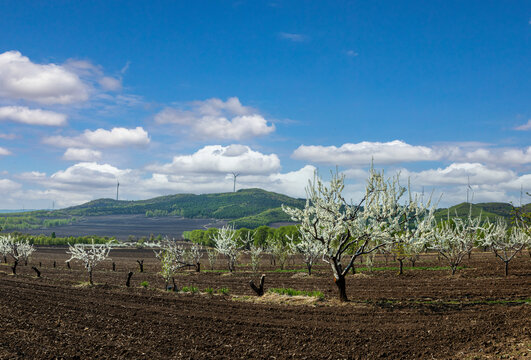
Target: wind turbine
(117, 188)
(235, 176)
(469, 188)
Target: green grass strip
(293, 292)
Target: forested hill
(244, 203)
(490, 210)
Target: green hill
(245, 208)
(234, 205)
(256, 206)
(487, 210)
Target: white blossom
(91, 255)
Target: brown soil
(478, 313)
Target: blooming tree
(279, 248)
(193, 255)
(256, 255)
(18, 250)
(505, 243)
(25, 250)
(212, 255)
(228, 243)
(90, 255)
(347, 230)
(5, 245)
(310, 249)
(454, 238)
(172, 257)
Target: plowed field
(423, 314)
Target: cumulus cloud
(89, 175)
(4, 151)
(524, 127)
(43, 83)
(75, 154)
(7, 186)
(361, 153)
(502, 156)
(460, 173)
(216, 119)
(221, 160)
(101, 138)
(291, 183)
(24, 115)
(397, 151)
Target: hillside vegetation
(489, 211)
(249, 208)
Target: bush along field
(382, 278)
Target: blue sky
(171, 97)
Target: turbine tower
(117, 188)
(469, 188)
(235, 176)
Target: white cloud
(101, 138)
(110, 83)
(352, 53)
(293, 37)
(524, 127)
(291, 183)
(6, 186)
(75, 154)
(4, 151)
(502, 157)
(219, 159)
(88, 174)
(47, 84)
(459, 174)
(361, 153)
(397, 151)
(24, 115)
(216, 119)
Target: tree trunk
(400, 266)
(14, 267)
(258, 290)
(341, 287)
(198, 267)
(309, 266)
(90, 278)
(174, 285)
(506, 268)
(113, 266)
(141, 265)
(454, 268)
(68, 264)
(37, 271)
(54, 264)
(128, 282)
